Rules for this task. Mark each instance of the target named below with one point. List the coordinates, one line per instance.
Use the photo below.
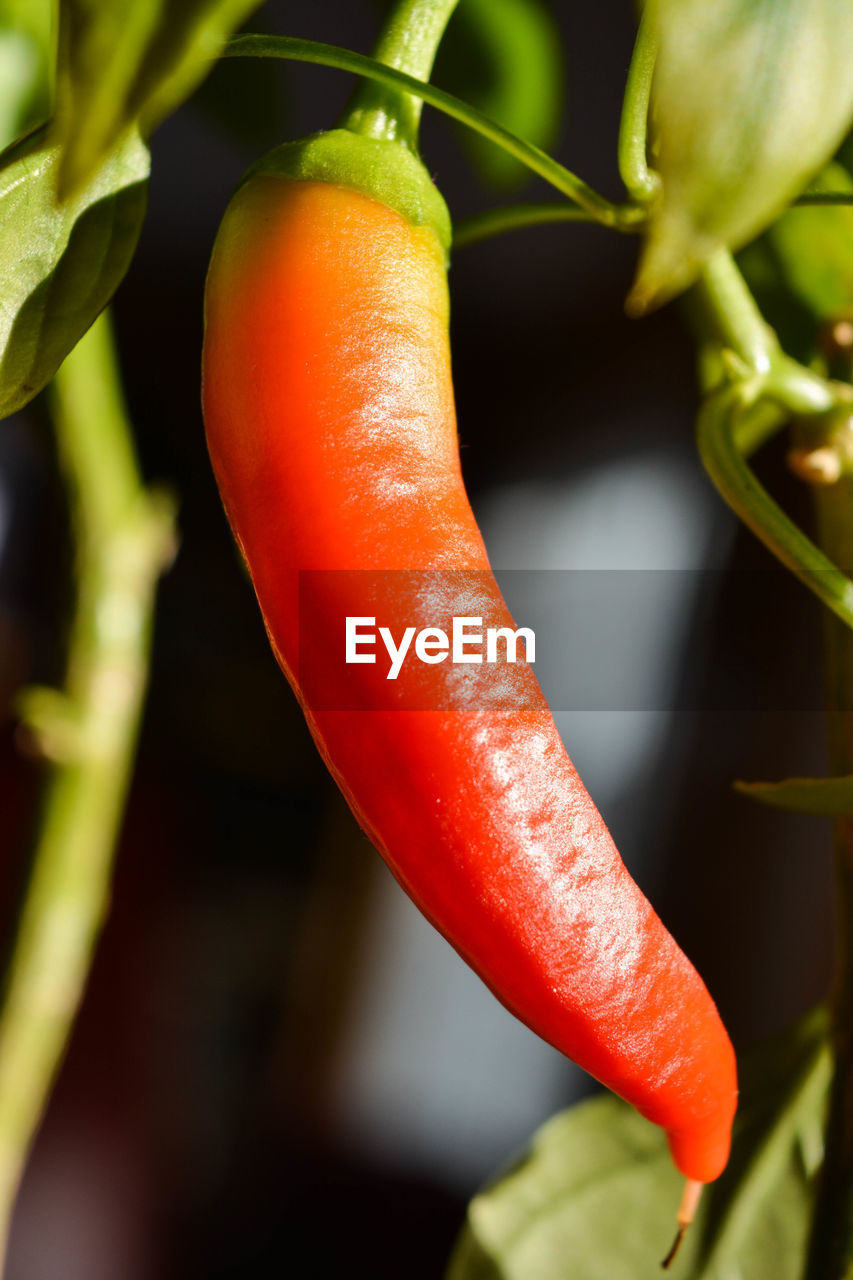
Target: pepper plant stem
(831, 1247)
(514, 217)
(731, 309)
(720, 450)
(88, 731)
(409, 43)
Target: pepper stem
(409, 43)
(686, 1214)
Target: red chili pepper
(330, 421)
(329, 411)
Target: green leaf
(595, 1196)
(823, 797)
(814, 248)
(130, 63)
(504, 57)
(25, 58)
(60, 262)
(751, 98)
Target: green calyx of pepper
(375, 149)
(384, 170)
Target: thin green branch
(514, 217)
(88, 731)
(538, 161)
(641, 182)
(819, 797)
(731, 309)
(824, 197)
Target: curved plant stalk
(538, 161)
(87, 731)
(741, 489)
(641, 182)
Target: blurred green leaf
(504, 57)
(750, 100)
(814, 247)
(131, 63)
(823, 797)
(60, 262)
(25, 66)
(595, 1196)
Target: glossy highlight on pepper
(330, 421)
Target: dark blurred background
(279, 1065)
